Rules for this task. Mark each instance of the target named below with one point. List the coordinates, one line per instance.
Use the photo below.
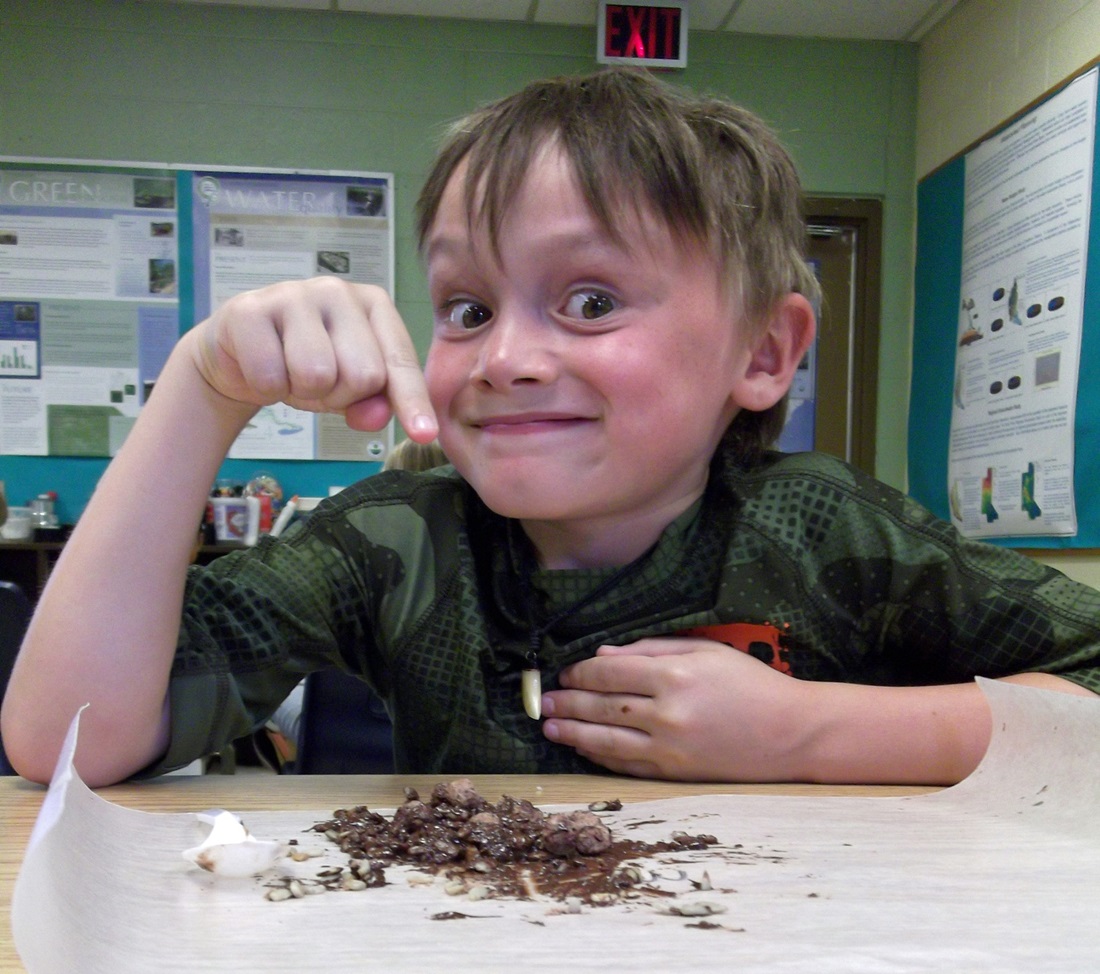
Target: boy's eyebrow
(435, 244)
(578, 241)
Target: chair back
(344, 727)
(15, 616)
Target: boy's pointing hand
(322, 345)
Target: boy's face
(581, 385)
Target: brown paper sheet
(1000, 873)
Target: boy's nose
(514, 349)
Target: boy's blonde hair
(713, 172)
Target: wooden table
(20, 802)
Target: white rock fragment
(230, 849)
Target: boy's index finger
(408, 395)
(406, 388)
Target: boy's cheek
(438, 396)
(445, 380)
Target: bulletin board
(103, 266)
(1006, 289)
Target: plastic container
(236, 519)
(19, 526)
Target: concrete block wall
(987, 60)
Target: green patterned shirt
(409, 581)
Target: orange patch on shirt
(759, 641)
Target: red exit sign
(643, 33)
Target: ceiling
(889, 20)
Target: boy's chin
(525, 501)
(527, 508)
(534, 488)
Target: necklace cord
(538, 633)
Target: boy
(621, 303)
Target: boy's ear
(773, 362)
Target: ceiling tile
(708, 14)
(464, 9)
(576, 12)
(281, 4)
(858, 19)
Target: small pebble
(699, 908)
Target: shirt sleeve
(961, 608)
(890, 594)
(254, 623)
(338, 589)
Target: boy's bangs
(629, 147)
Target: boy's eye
(468, 314)
(589, 305)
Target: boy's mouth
(522, 423)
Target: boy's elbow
(37, 764)
(23, 751)
(31, 729)
(29, 769)
(33, 747)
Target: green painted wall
(121, 80)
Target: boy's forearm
(918, 735)
(105, 628)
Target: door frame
(865, 216)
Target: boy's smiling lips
(530, 422)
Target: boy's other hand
(322, 345)
(683, 708)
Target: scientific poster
(253, 229)
(88, 274)
(93, 281)
(1025, 233)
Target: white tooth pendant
(532, 693)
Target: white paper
(1000, 873)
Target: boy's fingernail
(547, 705)
(550, 729)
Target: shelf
(29, 563)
